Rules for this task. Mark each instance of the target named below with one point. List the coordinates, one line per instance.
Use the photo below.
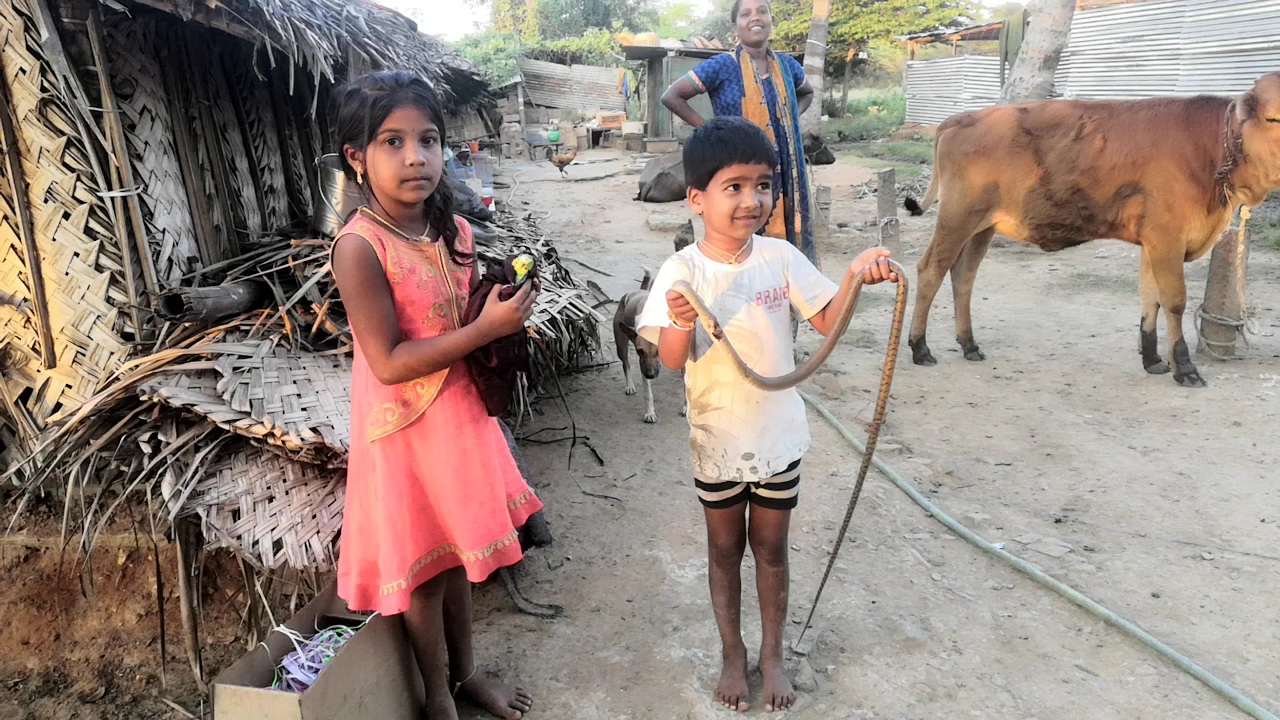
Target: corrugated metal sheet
(938, 89)
(1170, 47)
(572, 87)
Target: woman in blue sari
(771, 91)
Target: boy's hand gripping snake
(803, 373)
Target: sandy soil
(1165, 496)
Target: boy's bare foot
(778, 693)
(732, 692)
(505, 701)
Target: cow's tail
(931, 195)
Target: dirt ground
(1157, 501)
(1164, 495)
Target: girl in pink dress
(433, 495)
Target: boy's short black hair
(721, 142)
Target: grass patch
(872, 117)
(909, 157)
(1265, 232)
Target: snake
(805, 371)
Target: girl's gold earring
(359, 177)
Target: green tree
(560, 19)
(861, 23)
(495, 52)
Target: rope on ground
(1035, 573)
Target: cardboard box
(373, 676)
(611, 120)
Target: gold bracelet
(675, 322)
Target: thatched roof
(328, 36)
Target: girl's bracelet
(675, 322)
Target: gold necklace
(732, 259)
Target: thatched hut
(153, 145)
(147, 143)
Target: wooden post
(887, 209)
(1224, 296)
(190, 539)
(26, 225)
(821, 212)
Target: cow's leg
(1149, 346)
(1166, 266)
(963, 274)
(949, 238)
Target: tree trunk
(815, 60)
(1032, 74)
(844, 91)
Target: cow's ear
(1247, 106)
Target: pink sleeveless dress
(431, 484)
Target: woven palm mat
(139, 88)
(278, 511)
(296, 403)
(82, 262)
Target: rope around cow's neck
(803, 373)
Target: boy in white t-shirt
(746, 444)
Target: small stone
(795, 547)
(936, 577)
(664, 222)
(1206, 556)
(554, 563)
(806, 678)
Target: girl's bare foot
(505, 701)
(732, 692)
(440, 706)
(778, 693)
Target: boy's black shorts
(780, 492)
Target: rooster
(562, 161)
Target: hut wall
(140, 94)
(83, 266)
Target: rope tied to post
(1245, 325)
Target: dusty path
(1166, 498)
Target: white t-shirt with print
(739, 433)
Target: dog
(625, 335)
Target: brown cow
(1166, 174)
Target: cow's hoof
(651, 418)
(1158, 368)
(631, 390)
(974, 355)
(1190, 378)
(920, 354)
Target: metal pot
(339, 196)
